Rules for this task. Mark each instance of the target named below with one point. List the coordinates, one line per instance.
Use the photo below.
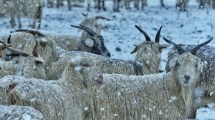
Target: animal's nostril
(187, 77)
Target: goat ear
(89, 42)
(43, 41)
(135, 49)
(162, 46)
(39, 59)
(171, 64)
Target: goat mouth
(186, 82)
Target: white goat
(26, 40)
(21, 63)
(147, 59)
(92, 42)
(57, 104)
(207, 81)
(77, 94)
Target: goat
(21, 63)
(147, 59)
(84, 93)
(206, 82)
(94, 45)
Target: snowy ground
(182, 27)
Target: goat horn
(16, 51)
(33, 32)
(9, 39)
(144, 33)
(6, 45)
(157, 37)
(197, 47)
(84, 14)
(101, 17)
(178, 47)
(88, 30)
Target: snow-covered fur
(31, 43)
(155, 96)
(147, 60)
(56, 100)
(86, 38)
(29, 8)
(14, 112)
(66, 42)
(83, 93)
(17, 62)
(207, 78)
(92, 23)
(28, 66)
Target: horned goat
(14, 112)
(29, 8)
(17, 62)
(207, 81)
(84, 93)
(92, 23)
(54, 99)
(26, 40)
(94, 45)
(147, 59)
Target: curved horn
(197, 47)
(17, 52)
(178, 47)
(86, 29)
(157, 37)
(101, 17)
(144, 33)
(6, 45)
(33, 32)
(84, 14)
(9, 40)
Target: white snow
(182, 27)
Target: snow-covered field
(182, 27)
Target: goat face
(187, 68)
(82, 68)
(99, 47)
(93, 42)
(186, 65)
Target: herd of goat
(51, 77)
(34, 8)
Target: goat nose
(187, 77)
(108, 54)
